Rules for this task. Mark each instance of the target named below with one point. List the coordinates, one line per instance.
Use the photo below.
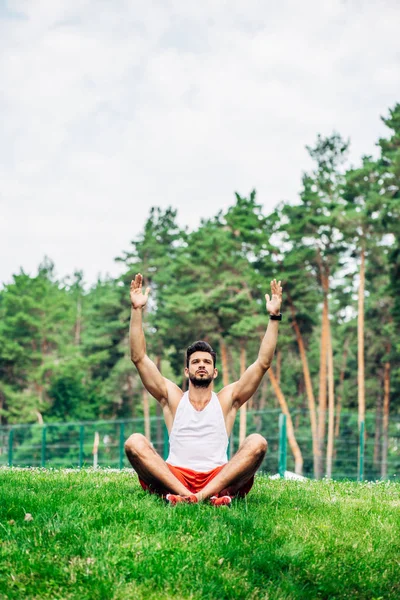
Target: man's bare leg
(239, 469)
(150, 466)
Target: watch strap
(276, 317)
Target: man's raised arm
(151, 377)
(246, 386)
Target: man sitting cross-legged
(199, 421)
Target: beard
(200, 382)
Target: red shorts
(196, 481)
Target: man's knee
(257, 444)
(136, 445)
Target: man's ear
(215, 373)
(186, 372)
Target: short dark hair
(200, 346)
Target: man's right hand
(138, 299)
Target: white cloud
(113, 107)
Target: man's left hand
(274, 303)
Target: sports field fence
(366, 452)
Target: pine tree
(34, 329)
(312, 232)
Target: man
(199, 422)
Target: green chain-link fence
(72, 444)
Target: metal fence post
(10, 447)
(121, 444)
(166, 443)
(81, 440)
(361, 452)
(44, 445)
(282, 445)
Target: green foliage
(34, 325)
(72, 393)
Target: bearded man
(199, 421)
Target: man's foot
(223, 501)
(176, 499)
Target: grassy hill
(96, 534)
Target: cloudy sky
(108, 108)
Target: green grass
(96, 534)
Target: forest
(64, 353)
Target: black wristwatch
(276, 317)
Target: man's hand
(138, 299)
(274, 303)
(248, 383)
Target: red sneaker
(223, 501)
(174, 499)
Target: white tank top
(198, 439)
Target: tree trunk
(341, 388)
(278, 366)
(225, 381)
(308, 384)
(324, 276)
(131, 395)
(146, 414)
(297, 422)
(322, 387)
(243, 408)
(224, 362)
(378, 432)
(298, 459)
(360, 336)
(331, 406)
(257, 418)
(263, 394)
(232, 371)
(360, 332)
(385, 424)
(184, 378)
